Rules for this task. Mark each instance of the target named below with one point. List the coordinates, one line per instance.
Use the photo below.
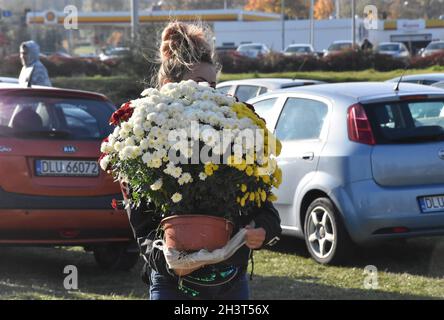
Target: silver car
(253, 50)
(396, 50)
(361, 162)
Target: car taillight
(358, 125)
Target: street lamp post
(353, 13)
(312, 23)
(134, 19)
(283, 23)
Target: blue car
(361, 162)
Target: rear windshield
(49, 117)
(407, 121)
(252, 47)
(389, 47)
(298, 49)
(339, 46)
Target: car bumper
(371, 212)
(63, 227)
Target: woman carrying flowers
(235, 185)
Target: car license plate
(431, 203)
(67, 168)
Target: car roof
(267, 82)
(299, 44)
(422, 76)
(341, 41)
(8, 88)
(251, 44)
(360, 91)
(386, 43)
(8, 80)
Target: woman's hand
(254, 237)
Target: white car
(253, 50)
(299, 49)
(248, 88)
(8, 80)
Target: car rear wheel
(115, 257)
(325, 235)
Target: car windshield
(339, 46)
(407, 122)
(252, 47)
(298, 49)
(54, 117)
(389, 47)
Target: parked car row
(361, 162)
(397, 50)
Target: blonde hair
(183, 45)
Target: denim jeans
(166, 288)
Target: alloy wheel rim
(321, 235)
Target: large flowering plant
(190, 149)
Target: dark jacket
(145, 225)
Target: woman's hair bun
(186, 42)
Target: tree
(293, 8)
(323, 9)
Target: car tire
(326, 238)
(115, 257)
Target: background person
(33, 71)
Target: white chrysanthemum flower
(157, 185)
(118, 146)
(202, 176)
(146, 157)
(155, 163)
(177, 197)
(129, 142)
(125, 153)
(176, 172)
(210, 137)
(104, 162)
(105, 147)
(149, 92)
(186, 177)
(138, 127)
(144, 144)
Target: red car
(52, 190)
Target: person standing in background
(33, 71)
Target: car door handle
(308, 156)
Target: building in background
(233, 27)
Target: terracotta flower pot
(195, 232)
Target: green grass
(123, 88)
(410, 270)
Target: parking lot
(353, 169)
(410, 270)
